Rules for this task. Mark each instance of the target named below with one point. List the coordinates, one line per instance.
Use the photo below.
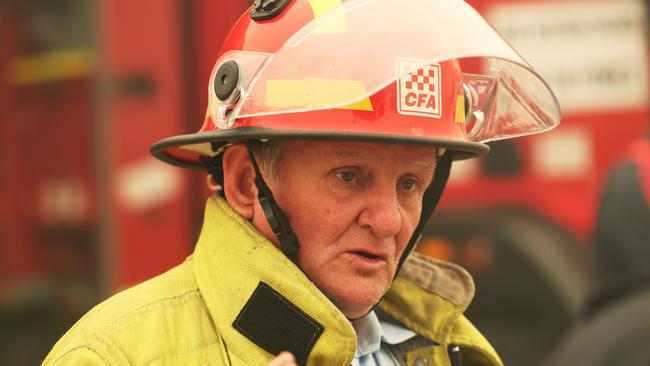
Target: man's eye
(408, 184)
(347, 177)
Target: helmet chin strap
(276, 218)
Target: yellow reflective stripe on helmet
(285, 93)
(316, 92)
(332, 26)
(322, 6)
(460, 109)
(362, 105)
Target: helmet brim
(164, 149)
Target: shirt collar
(395, 334)
(371, 332)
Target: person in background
(329, 135)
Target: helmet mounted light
(226, 79)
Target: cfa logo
(418, 92)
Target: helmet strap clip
(213, 165)
(267, 9)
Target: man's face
(353, 207)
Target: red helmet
(367, 70)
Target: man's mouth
(368, 255)
(368, 261)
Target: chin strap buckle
(280, 225)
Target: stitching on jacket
(158, 303)
(86, 347)
(289, 304)
(183, 298)
(311, 340)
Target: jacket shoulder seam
(86, 347)
(157, 303)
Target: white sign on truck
(592, 53)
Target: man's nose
(381, 213)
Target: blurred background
(87, 86)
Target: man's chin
(355, 316)
(354, 309)
(354, 296)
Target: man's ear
(239, 187)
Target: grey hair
(268, 155)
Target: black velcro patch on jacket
(272, 322)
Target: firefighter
(329, 135)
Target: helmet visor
(352, 52)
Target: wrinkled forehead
(422, 156)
